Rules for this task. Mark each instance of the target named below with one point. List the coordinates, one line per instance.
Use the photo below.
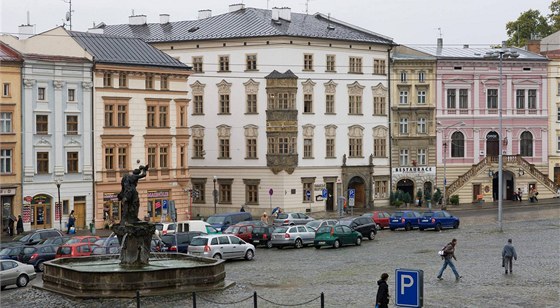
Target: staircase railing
(536, 173)
(465, 177)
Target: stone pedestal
(135, 240)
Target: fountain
(107, 276)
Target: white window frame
(403, 157)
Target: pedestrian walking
(19, 225)
(71, 221)
(519, 194)
(11, 221)
(264, 218)
(448, 254)
(508, 253)
(242, 209)
(382, 298)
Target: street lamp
(215, 194)
(444, 202)
(58, 181)
(500, 54)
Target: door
(330, 198)
(41, 216)
(476, 192)
(80, 214)
(225, 247)
(492, 145)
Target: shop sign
(426, 170)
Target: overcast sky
(414, 22)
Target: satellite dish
(68, 16)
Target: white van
(195, 225)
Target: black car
(55, 240)
(183, 238)
(36, 255)
(365, 225)
(261, 236)
(11, 252)
(32, 237)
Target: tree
(530, 25)
(554, 17)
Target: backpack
(442, 253)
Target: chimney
(163, 19)
(534, 46)
(236, 7)
(26, 31)
(286, 13)
(440, 42)
(465, 46)
(204, 14)
(275, 13)
(95, 30)
(504, 44)
(137, 20)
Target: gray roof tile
(473, 53)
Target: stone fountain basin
(103, 276)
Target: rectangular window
(224, 63)
(283, 145)
(252, 193)
(251, 148)
(403, 126)
(182, 157)
(72, 125)
(379, 105)
(107, 80)
(72, 162)
(379, 67)
(5, 161)
(330, 147)
(421, 128)
(251, 103)
(520, 99)
(41, 94)
(109, 114)
(355, 104)
(492, 98)
(197, 64)
(307, 187)
(164, 157)
(403, 97)
(198, 148)
(355, 65)
(152, 151)
(163, 116)
(421, 77)
(403, 157)
(421, 96)
(123, 82)
(329, 103)
(149, 81)
(422, 157)
(225, 193)
(182, 116)
(403, 77)
(224, 103)
(251, 62)
(381, 189)
(558, 143)
(355, 148)
(198, 104)
(198, 192)
(42, 162)
(71, 95)
(379, 147)
(307, 62)
(532, 99)
(331, 63)
(164, 82)
(157, 115)
(42, 124)
(6, 90)
(307, 148)
(307, 103)
(121, 115)
(451, 99)
(109, 158)
(224, 148)
(151, 116)
(122, 158)
(463, 98)
(5, 122)
(558, 114)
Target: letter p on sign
(406, 282)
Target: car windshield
(74, 240)
(281, 230)
(230, 229)
(428, 214)
(346, 222)
(313, 224)
(216, 220)
(23, 237)
(168, 239)
(324, 229)
(28, 250)
(398, 214)
(199, 241)
(282, 216)
(233, 230)
(64, 250)
(5, 251)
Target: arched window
(457, 145)
(526, 144)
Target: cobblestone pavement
(348, 276)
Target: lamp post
(444, 201)
(500, 54)
(59, 205)
(215, 194)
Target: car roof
(75, 244)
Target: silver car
(291, 219)
(221, 246)
(296, 236)
(316, 224)
(14, 272)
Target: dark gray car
(290, 219)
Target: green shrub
(454, 200)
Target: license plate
(256, 241)
(424, 220)
(395, 220)
(321, 243)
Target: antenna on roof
(440, 33)
(69, 13)
(28, 20)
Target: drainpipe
(389, 118)
(92, 132)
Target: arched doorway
(492, 144)
(358, 184)
(508, 185)
(406, 186)
(41, 212)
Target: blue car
(438, 220)
(404, 219)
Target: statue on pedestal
(128, 196)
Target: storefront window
(156, 200)
(111, 207)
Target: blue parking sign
(409, 288)
(324, 193)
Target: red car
(244, 232)
(83, 239)
(75, 250)
(380, 218)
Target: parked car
(262, 236)
(11, 253)
(362, 224)
(244, 232)
(164, 228)
(55, 240)
(336, 236)
(291, 219)
(195, 225)
(111, 241)
(184, 239)
(37, 255)
(106, 246)
(75, 250)
(438, 220)
(223, 220)
(157, 244)
(14, 272)
(316, 224)
(258, 223)
(296, 236)
(83, 239)
(32, 237)
(221, 246)
(380, 218)
(404, 219)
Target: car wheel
(438, 227)
(3, 287)
(217, 256)
(299, 243)
(408, 227)
(317, 247)
(40, 266)
(392, 229)
(22, 281)
(456, 225)
(358, 241)
(336, 244)
(421, 229)
(269, 244)
(381, 227)
(371, 235)
(249, 255)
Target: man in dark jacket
(508, 253)
(382, 299)
(448, 253)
